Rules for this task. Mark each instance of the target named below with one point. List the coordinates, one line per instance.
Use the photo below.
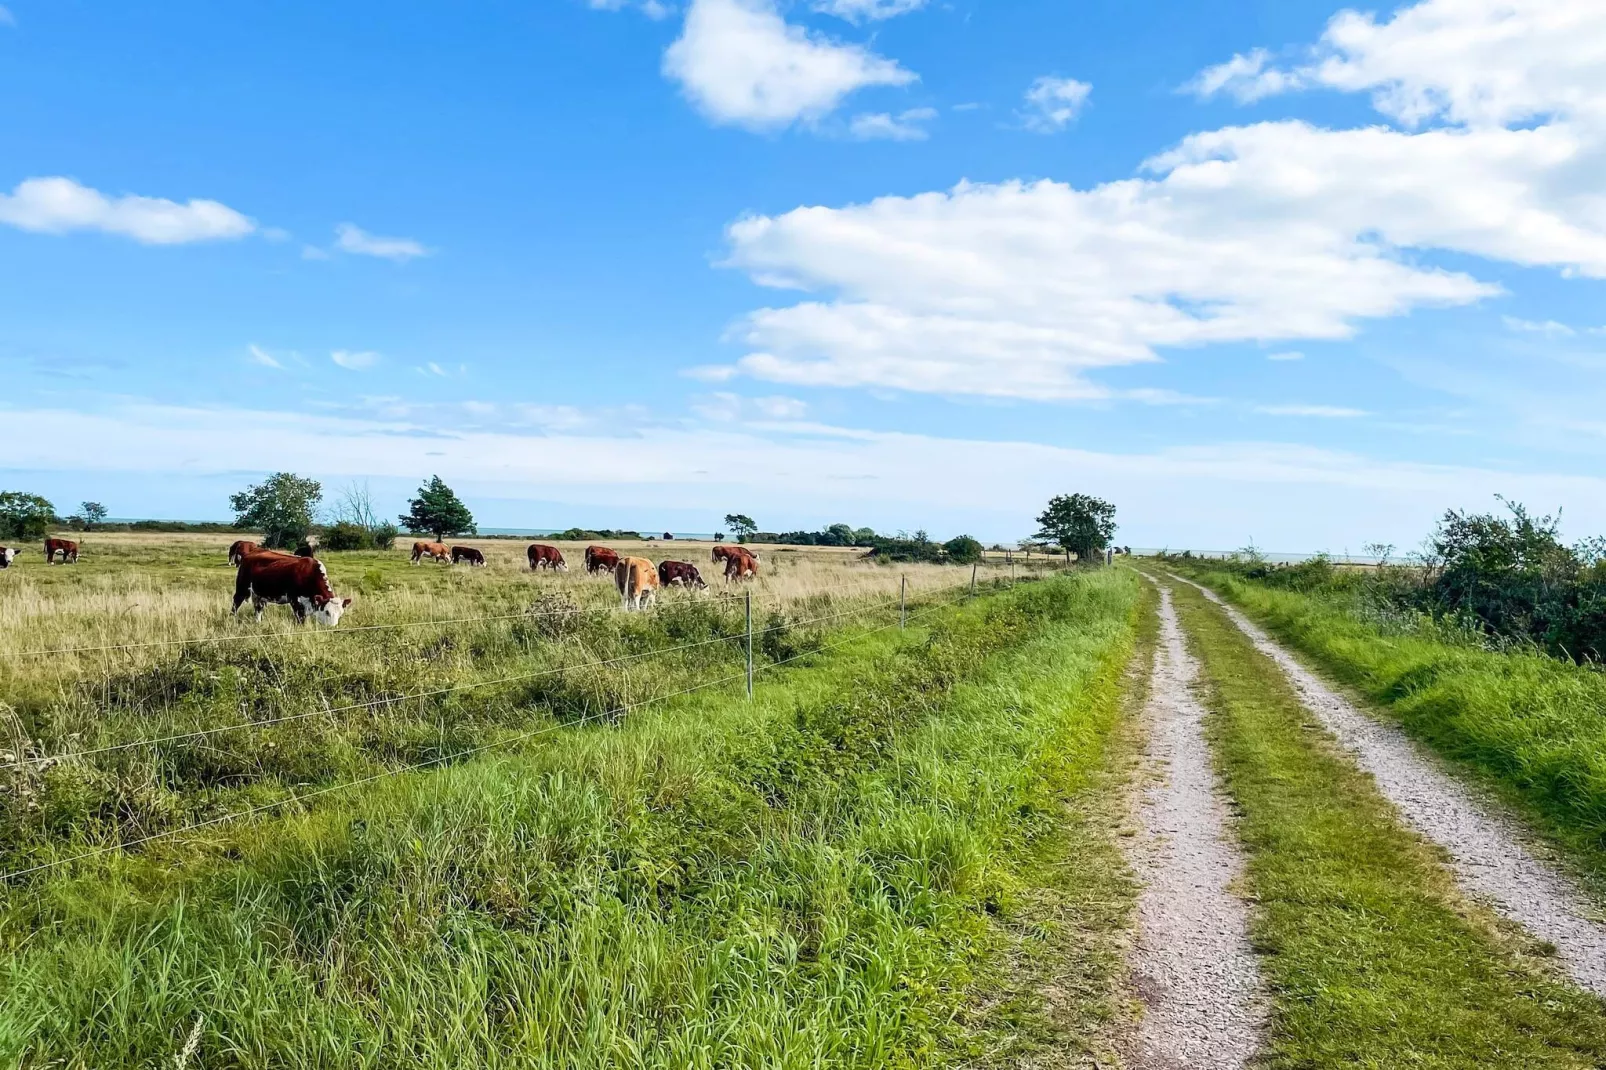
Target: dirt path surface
(1192, 964)
(1489, 855)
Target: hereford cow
(740, 565)
(435, 550)
(239, 549)
(601, 559)
(287, 580)
(65, 547)
(543, 556)
(469, 554)
(637, 581)
(723, 553)
(8, 554)
(680, 574)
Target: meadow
(544, 832)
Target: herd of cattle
(300, 581)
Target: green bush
(347, 536)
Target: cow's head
(7, 555)
(561, 566)
(326, 610)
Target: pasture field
(549, 833)
(1530, 727)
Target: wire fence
(614, 713)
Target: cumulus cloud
(1052, 103)
(867, 10)
(1272, 233)
(742, 64)
(59, 205)
(355, 360)
(905, 126)
(350, 238)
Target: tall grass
(1532, 725)
(812, 878)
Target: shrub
(962, 550)
(347, 536)
(24, 516)
(384, 536)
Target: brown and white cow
(544, 556)
(287, 580)
(239, 549)
(601, 559)
(637, 581)
(680, 574)
(65, 547)
(8, 554)
(469, 554)
(740, 564)
(723, 553)
(434, 550)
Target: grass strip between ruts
(1371, 956)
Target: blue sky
(1269, 271)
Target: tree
(281, 507)
(1079, 523)
(743, 526)
(24, 516)
(962, 550)
(438, 511)
(93, 513)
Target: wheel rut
(1489, 854)
(1191, 964)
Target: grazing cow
(601, 559)
(637, 581)
(287, 580)
(740, 565)
(723, 553)
(543, 556)
(240, 549)
(65, 547)
(469, 554)
(8, 554)
(680, 574)
(435, 550)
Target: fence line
(433, 693)
(417, 766)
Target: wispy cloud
(355, 360)
(261, 356)
(1286, 354)
(1324, 412)
(1548, 328)
(350, 238)
(6, 17)
(905, 126)
(1053, 103)
(867, 10)
(59, 205)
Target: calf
(434, 550)
(240, 549)
(8, 554)
(680, 574)
(65, 547)
(469, 554)
(740, 565)
(637, 581)
(601, 559)
(543, 556)
(286, 580)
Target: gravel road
(1192, 964)
(1489, 854)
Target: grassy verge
(1372, 958)
(1528, 725)
(820, 877)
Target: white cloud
(1052, 103)
(867, 10)
(741, 63)
(653, 9)
(1286, 354)
(1548, 328)
(726, 407)
(1300, 498)
(1245, 78)
(1274, 232)
(261, 356)
(712, 373)
(905, 126)
(59, 205)
(1319, 411)
(355, 360)
(350, 238)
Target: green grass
(1371, 957)
(843, 872)
(1531, 726)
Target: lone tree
(24, 516)
(438, 511)
(743, 526)
(281, 507)
(93, 513)
(962, 550)
(1080, 523)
